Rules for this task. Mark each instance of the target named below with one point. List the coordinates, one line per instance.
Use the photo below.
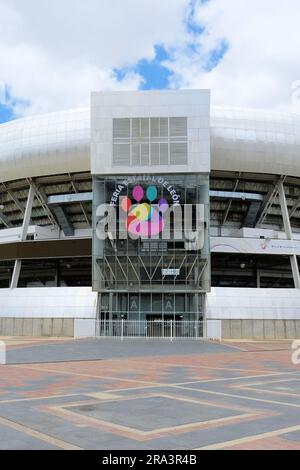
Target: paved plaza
(139, 394)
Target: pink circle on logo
(138, 193)
(125, 203)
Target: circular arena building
(238, 169)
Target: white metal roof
(241, 140)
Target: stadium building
(151, 206)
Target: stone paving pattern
(138, 394)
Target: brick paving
(154, 395)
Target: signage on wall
(134, 304)
(136, 210)
(146, 218)
(255, 245)
(146, 179)
(170, 272)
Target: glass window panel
(154, 123)
(164, 151)
(154, 154)
(144, 127)
(121, 128)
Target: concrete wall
(37, 327)
(106, 106)
(261, 314)
(261, 329)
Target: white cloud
(262, 61)
(52, 53)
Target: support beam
(237, 181)
(16, 274)
(69, 198)
(284, 212)
(5, 220)
(82, 206)
(80, 198)
(236, 195)
(14, 199)
(295, 270)
(27, 215)
(42, 197)
(289, 233)
(294, 208)
(268, 201)
(251, 215)
(63, 220)
(23, 236)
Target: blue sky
(155, 75)
(7, 105)
(6, 113)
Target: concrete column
(16, 274)
(289, 233)
(27, 215)
(295, 270)
(23, 236)
(98, 245)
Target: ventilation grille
(150, 141)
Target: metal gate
(168, 329)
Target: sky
(53, 53)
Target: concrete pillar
(16, 274)
(23, 236)
(289, 233)
(27, 215)
(98, 245)
(295, 270)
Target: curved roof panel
(242, 140)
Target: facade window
(150, 141)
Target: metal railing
(168, 329)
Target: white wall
(193, 104)
(84, 328)
(247, 303)
(81, 302)
(48, 302)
